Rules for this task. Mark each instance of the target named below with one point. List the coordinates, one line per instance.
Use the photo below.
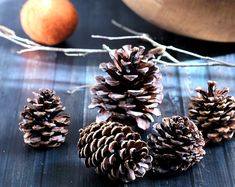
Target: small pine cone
(115, 150)
(41, 122)
(213, 113)
(133, 89)
(175, 144)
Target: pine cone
(213, 112)
(41, 122)
(175, 144)
(115, 150)
(133, 89)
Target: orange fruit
(48, 21)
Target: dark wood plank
(172, 106)
(21, 165)
(224, 77)
(8, 115)
(212, 170)
(62, 164)
(189, 80)
(19, 85)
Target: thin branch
(219, 62)
(32, 46)
(158, 61)
(78, 88)
(74, 51)
(76, 54)
(198, 56)
(142, 37)
(160, 49)
(146, 37)
(6, 31)
(127, 29)
(116, 37)
(13, 39)
(107, 48)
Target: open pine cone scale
(133, 89)
(114, 150)
(175, 144)
(41, 122)
(213, 111)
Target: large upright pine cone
(115, 150)
(41, 122)
(133, 89)
(175, 144)
(213, 112)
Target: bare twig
(66, 51)
(107, 48)
(159, 49)
(142, 37)
(77, 88)
(198, 56)
(32, 46)
(146, 37)
(219, 62)
(158, 61)
(114, 22)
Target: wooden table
(21, 165)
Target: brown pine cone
(175, 145)
(133, 89)
(213, 112)
(41, 122)
(115, 150)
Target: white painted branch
(32, 46)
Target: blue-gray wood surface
(21, 165)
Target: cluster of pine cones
(118, 152)
(130, 95)
(128, 99)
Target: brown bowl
(212, 20)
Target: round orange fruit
(48, 21)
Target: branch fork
(158, 49)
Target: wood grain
(23, 166)
(208, 20)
